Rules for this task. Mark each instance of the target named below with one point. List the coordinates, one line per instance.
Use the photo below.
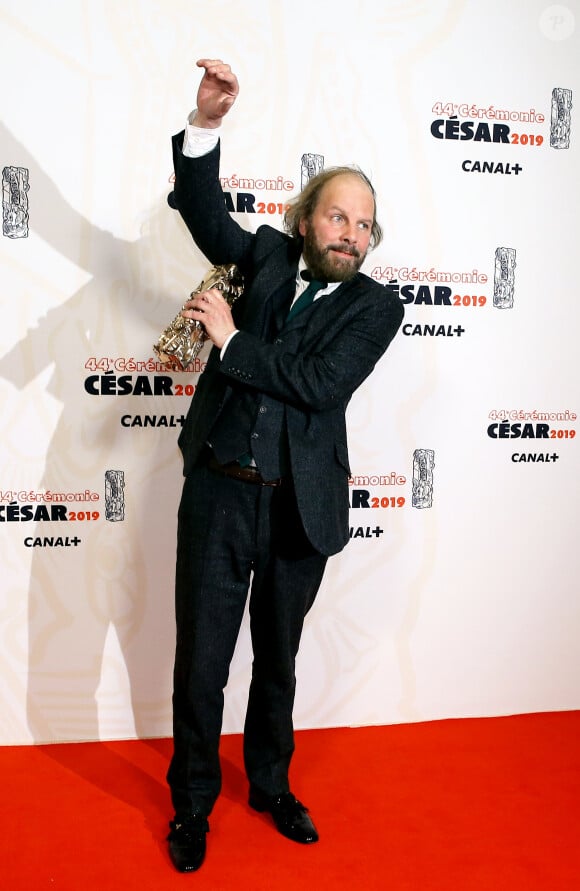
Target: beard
(326, 263)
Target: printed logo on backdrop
(534, 430)
(80, 508)
(507, 129)
(469, 123)
(423, 466)
(122, 377)
(374, 492)
(15, 202)
(48, 507)
(242, 194)
(261, 195)
(442, 290)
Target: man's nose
(349, 233)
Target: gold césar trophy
(183, 339)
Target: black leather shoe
(289, 815)
(187, 842)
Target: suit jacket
(312, 366)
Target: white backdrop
(458, 597)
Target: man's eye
(336, 217)
(363, 225)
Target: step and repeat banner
(458, 592)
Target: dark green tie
(306, 298)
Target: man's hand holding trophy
(182, 340)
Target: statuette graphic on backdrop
(504, 278)
(311, 166)
(114, 495)
(182, 340)
(561, 120)
(423, 464)
(15, 202)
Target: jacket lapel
(265, 306)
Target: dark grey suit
(281, 392)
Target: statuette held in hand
(183, 339)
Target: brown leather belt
(237, 472)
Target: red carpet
(486, 804)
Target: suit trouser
(227, 530)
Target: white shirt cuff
(227, 343)
(198, 141)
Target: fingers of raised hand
(221, 71)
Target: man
(265, 459)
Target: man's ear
(303, 226)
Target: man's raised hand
(216, 94)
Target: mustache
(344, 249)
